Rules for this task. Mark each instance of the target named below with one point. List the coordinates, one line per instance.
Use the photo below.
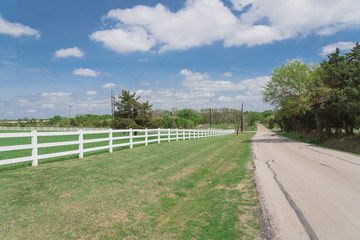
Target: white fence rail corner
(115, 138)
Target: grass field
(47, 150)
(199, 189)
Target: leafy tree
(189, 115)
(131, 113)
(253, 117)
(342, 75)
(287, 91)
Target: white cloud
(203, 22)
(224, 99)
(91, 93)
(35, 70)
(86, 72)
(227, 74)
(55, 94)
(199, 90)
(109, 85)
(239, 5)
(332, 47)
(17, 29)
(167, 98)
(144, 93)
(87, 105)
(48, 105)
(24, 101)
(69, 52)
(124, 41)
(202, 82)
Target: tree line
(321, 97)
(131, 112)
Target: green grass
(47, 150)
(198, 189)
(341, 142)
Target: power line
(213, 15)
(221, 20)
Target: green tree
(131, 113)
(189, 115)
(287, 92)
(342, 75)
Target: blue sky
(177, 54)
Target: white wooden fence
(130, 138)
(50, 129)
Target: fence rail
(50, 129)
(109, 139)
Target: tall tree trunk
(346, 128)
(320, 127)
(328, 131)
(351, 129)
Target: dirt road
(306, 192)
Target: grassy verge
(343, 143)
(199, 189)
(65, 138)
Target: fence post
(189, 134)
(168, 134)
(183, 134)
(131, 138)
(34, 152)
(81, 144)
(110, 141)
(177, 135)
(159, 132)
(146, 136)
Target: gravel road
(306, 192)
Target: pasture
(18, 148)
(198, 189)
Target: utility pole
(69, 114)
(112, 96)
(242, 118)
(240, 126)
(210, 118)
